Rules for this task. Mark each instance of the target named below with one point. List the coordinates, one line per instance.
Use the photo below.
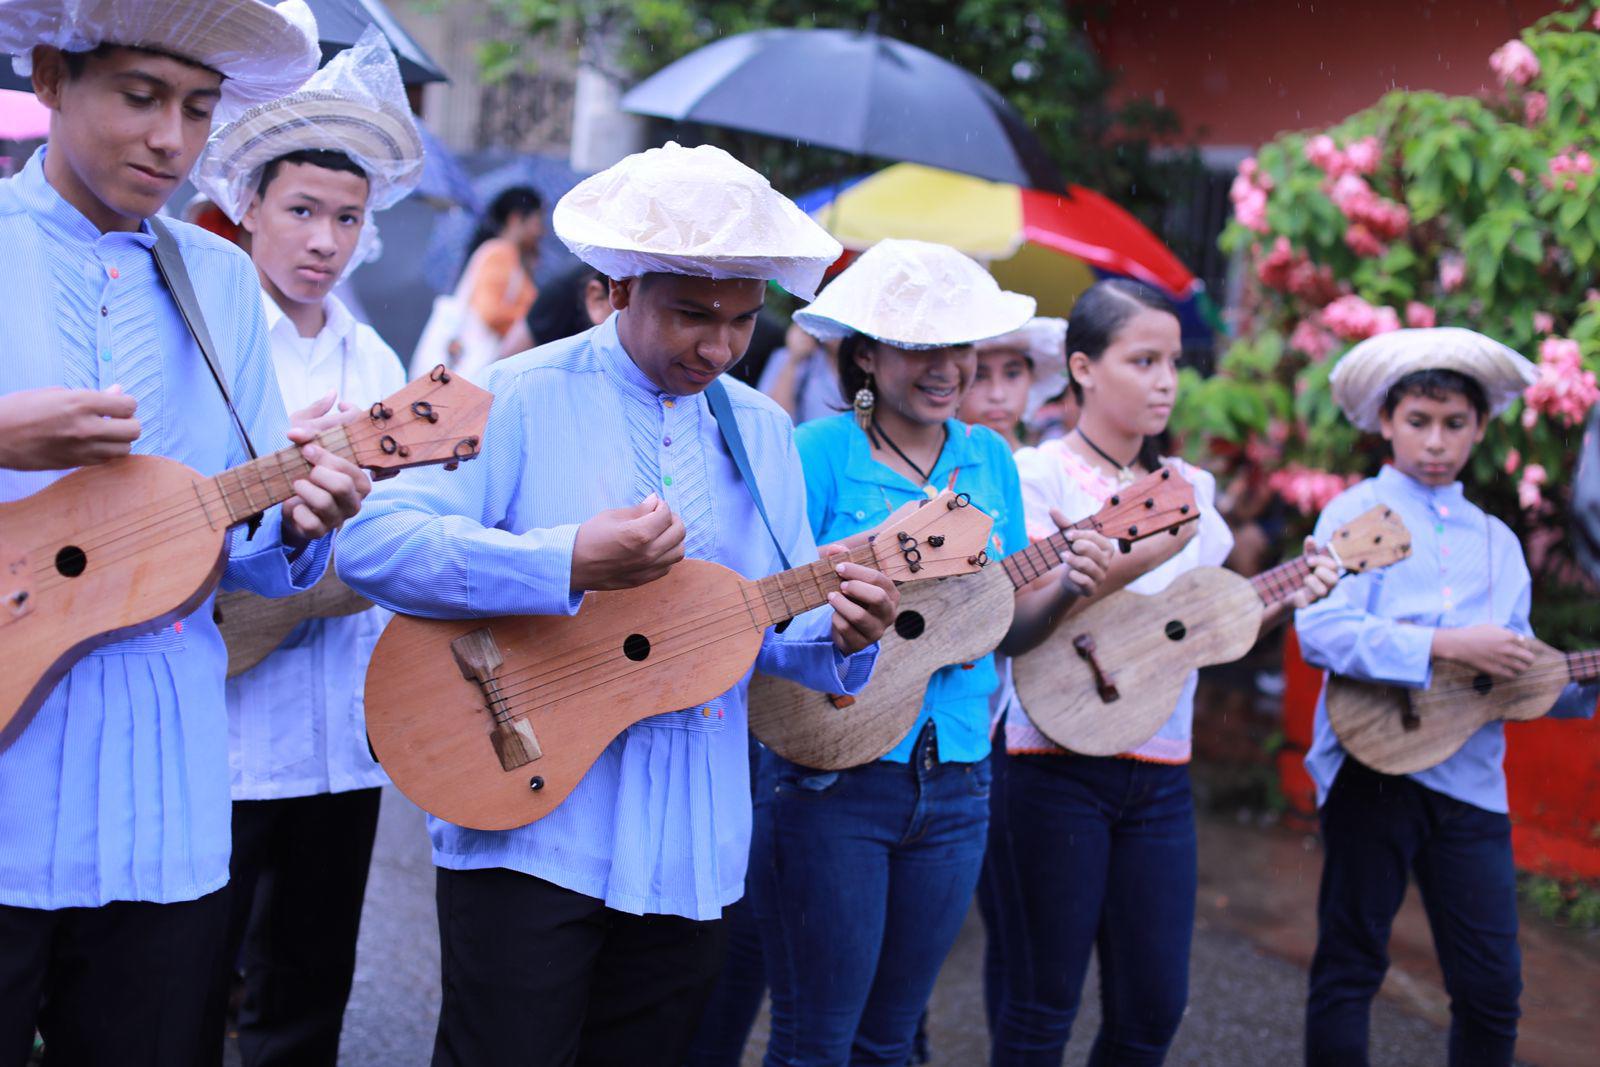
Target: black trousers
(299, 876)
(124, 985)
(539, 976)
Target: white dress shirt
(296, 724)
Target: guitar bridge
(479, 659)
(1409, 719)
(1104, 684)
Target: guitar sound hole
(910, 625)
(1176, 631)
(71, 561)
(1481, 684)
(636, 647)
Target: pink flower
(1313, 340)
(1516, 175)
(1307, 489)
(1513, 461)
(1534, 107)
(1564, 390)
(1353, 319)
(1362, 243)
(1362, 156)
(1452, 271)
(1528, 495)
(1419, 315)
(1273, 268)
(1594, 23)
(1385, 219)
(1313, 284)
(1543, 322)
(1385, 320)
(1514, 63)
(1351, 194)
(1322, 153)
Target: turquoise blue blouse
(848, 491)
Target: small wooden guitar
(1110, 676)
(490, 723)
(254, 626)
(942, 623)
(128, 547)
(1401, 731)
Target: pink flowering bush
(1424, 210)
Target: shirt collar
(41, 200)
(619, 365)
(961, 452)
(1393, 478)
(337, 327)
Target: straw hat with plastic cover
(355, 105)
(913, 294)
(1044, 341)
(695, 211)
(261, 51)
(1364, 376)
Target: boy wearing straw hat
(303, 176)
(114, 800)
(1463, 595)
(594, 935)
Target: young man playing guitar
(593, 935)
(303, 175)
(114, 800)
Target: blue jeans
(1088, 853)
(862, 879)
(1375, 829)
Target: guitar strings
(1538, 672)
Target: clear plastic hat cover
(355, 105)
(261, 51)
(1044, 342)
(696, 211)
(915, 294)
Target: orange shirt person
(502, 290)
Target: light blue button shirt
(118, 789)
(848, 491)
(1465, 568)
(661, 822)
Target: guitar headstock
(935, 538)
(1375, 538)
(1159, 502)
(439, 418)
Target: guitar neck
(1041, 556)
(246, 491)
(1281, 582)
(1584, 666)
(794, 592)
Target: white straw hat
(1366, 373)
(1044, 342)
(914, 294)
(695, 211)
(261, 51)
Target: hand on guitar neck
(58, 429)
(1055, 594)
(1321, 575)
(1496, 651)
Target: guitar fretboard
(1281, 582)
(251, 488)
(1584, 666)
(1042, 556)
(794, 592)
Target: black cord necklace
(925, 475)
(1124, 470)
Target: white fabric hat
(261, 51)
(355, 105)
(695, 211)
(1366, 373)
(1044, 342)
(913, 294)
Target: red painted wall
(1241, 71)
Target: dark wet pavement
(1247, 984)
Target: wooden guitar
(254, 626)
(1401, 731)
(490, 723)
(941, 623)
(128, 547)
(1109, 677)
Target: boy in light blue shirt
(1462, 596)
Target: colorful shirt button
(667, 480)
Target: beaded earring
(864, 403)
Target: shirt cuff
(540, 583)
(855, 671)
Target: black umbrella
(339, 24)
(855, 92)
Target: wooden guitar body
(254, 626)
(1401, 731)
(1144, 646)
(576, 691)
(75, 575)
(954, 620)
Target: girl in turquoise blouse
(861, 878)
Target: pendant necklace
(1125, 474)
(925, 475)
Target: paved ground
(1247, 981)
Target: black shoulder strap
(722, 411)
(169, 264)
